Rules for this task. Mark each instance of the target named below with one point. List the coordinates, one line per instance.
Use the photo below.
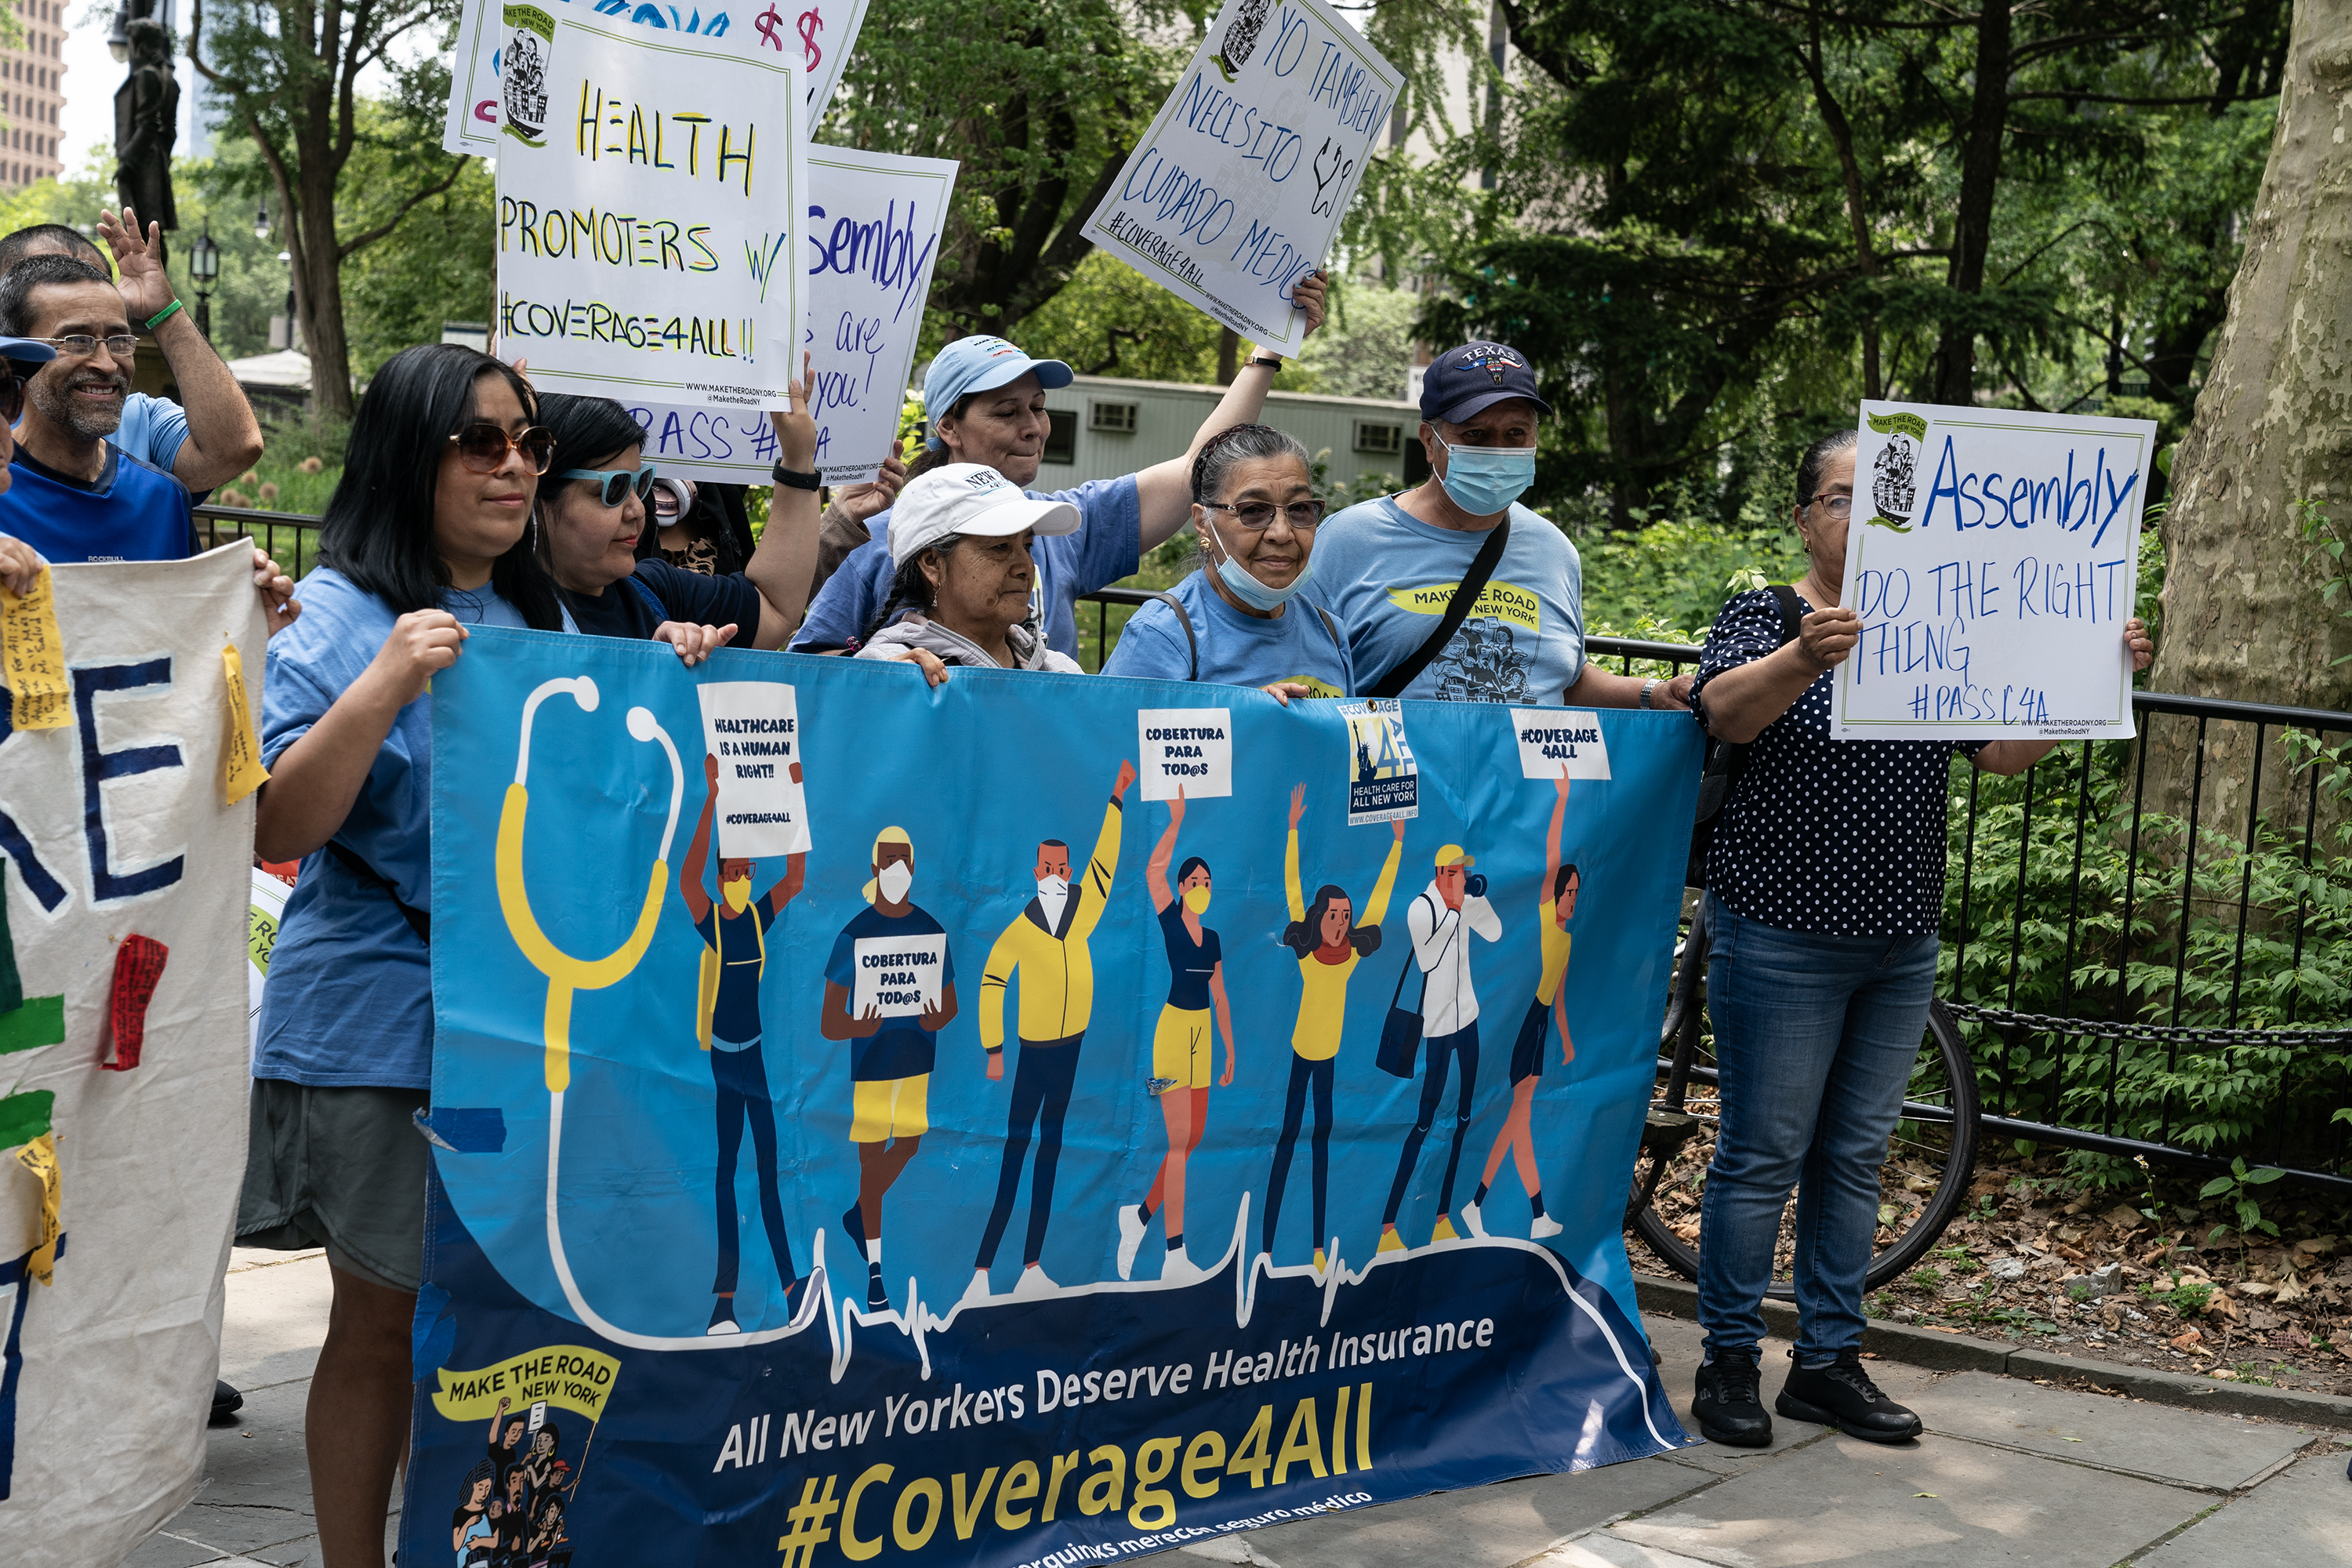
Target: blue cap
(980, 364)
(1462, 381)
(26, 351)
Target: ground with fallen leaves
(2024, 1261)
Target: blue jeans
(1815, 1036)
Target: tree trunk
(1229, 355)
(318, 280)
(1956, 362)
(2243, 613)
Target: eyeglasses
(12, 397)
(483, 447)
(1838, 507)
(617, 482)
(1257, 516)
(81, 345)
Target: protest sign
(122, 1053)
(1236, 190)
(650, 197)
(1187, 749)
(750, 731)
(888, 1379)
(1551, 740)
(1993, 556)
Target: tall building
(32, 95)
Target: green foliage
(2186, 1297)
(2238, 1185)
(2326, 540)
(1110, 319)
(1677, 575)
(1365, 349)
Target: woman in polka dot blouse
(1824, 884)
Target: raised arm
(786, 888)
(1290, 855)
(698, 849)
(1093, 892)
(223, 438)
(785, 561)
(1552, 841)
(1163, 855)
(1378, 910)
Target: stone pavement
(2011, 1472)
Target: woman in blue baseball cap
(986, 400)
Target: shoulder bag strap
(661, 611)
(1792, 611)
(1191, 642)
(1465, 595)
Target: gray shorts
(339, 1168)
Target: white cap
(968, 498)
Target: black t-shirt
(659, 591)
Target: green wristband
(161, 316)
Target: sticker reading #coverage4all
(1188, 747)
(753, 729)
(1384, 782)
(1551, 739)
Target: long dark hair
(378, 530)
(911, 590)
(1303, 937)
(587, 430)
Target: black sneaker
(1727, 1404)
(877, 1297)
(1841, 1395)
(226, 1401)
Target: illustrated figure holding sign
(1047, 946)
(890, 989)
(734, 932)
(1180, 1046)
(1329, 943)
(1553, 913)
(1442, 919)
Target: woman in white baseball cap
(960, 539)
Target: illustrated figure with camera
(1441, 920)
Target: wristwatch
(1648, 686)
(793, 481)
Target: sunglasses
(484, 446)
(12, 396)
(617, 482)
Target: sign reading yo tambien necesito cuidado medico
(1236, 190)
(1993, 557)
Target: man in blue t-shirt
(1387, 569)
(734, 928)
(986, 403)
(890, 989)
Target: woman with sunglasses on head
(1235, 621)
(423, 540)
(594, 511)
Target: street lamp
(261, 220)
(204, 267)
(118, 42)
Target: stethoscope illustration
(567, 973)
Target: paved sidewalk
(2009, 1472)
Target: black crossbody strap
(1412, 963)
(1465, 597)
(1192, 641)
(1792, 611)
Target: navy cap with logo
(1462, 383)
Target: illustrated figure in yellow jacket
(1047, 946)
(1328, 941)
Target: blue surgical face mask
(1248, 589)
(1484, 481)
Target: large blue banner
(1038, 1120)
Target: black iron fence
(290, 537)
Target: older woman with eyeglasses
(1237, 621)
(1824, 890)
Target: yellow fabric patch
(1500, 602)
(570, 1376)
(884, 1108)
(241, 769)
(35, 654)
(40, 1157)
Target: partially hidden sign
(1236, 190)
(1993, 556)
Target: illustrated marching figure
(1047, 946)
(1442, 919)
(734, 931)
(1182, 1048)
(1554, 910)
(1329, 942)
(890, 989)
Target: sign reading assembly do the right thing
(1237, 190)
(1993, 557)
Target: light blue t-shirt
(1236, 649)
(153, 429)
(1107, 545)
(349, 998)
(1387, 578)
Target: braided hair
(911, 590)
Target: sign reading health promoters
(1993, 558)
(650, 212)
(1235, 193)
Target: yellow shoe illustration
(1389, 1240)
(1444, 1231)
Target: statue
(146, 123)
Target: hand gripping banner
(1022, 1122)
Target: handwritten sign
(35, 657)
(646, 232)
(1190, 749)
(1238, 189)
(754, 728)
(1993, 557)
(1550, 740)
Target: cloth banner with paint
(975, 1026)
(873, 222)
(1993, 557)
(650, 193)
(123, 1050)
(1236, 190)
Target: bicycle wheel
(1922, 1181)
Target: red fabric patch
(138, 965)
